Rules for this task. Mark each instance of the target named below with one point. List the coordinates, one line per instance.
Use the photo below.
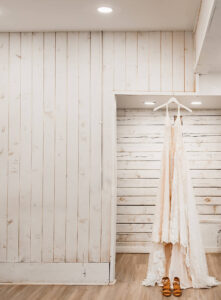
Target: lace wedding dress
(176, 219)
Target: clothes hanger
(172, 100)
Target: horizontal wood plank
(141, 130)
(153, 191)
(131, 237)
(155, 165)
(159, 138)
(160, 120)
(155, 174)
(134, 227)
(158, 147)
(140, 183)
(126, 227)
(151, 200)
(140, 210)
(148, 112)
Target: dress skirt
(176, 219)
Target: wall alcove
(139, 140)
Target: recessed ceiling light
(105, 9)
(196, 103)
(149, 103)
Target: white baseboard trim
(55, 273)
(213, 250)
(132, 249)
(140, 249)
(113, 282)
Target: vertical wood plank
(189, 62)
(84, 145)
(166, 61)
(4, 48)
(131, 60)
(72, 148)
(60, 148)
(119, 60)
(49, 147)
(95, 155)
(178, 61)
(37, 148)
(14, 145)
(108, 140)
(154, 61)
(113, 218)
(142, 63)
(25, 163)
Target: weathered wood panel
(37, 147)
(178, 55)
(14, 146)
(84, 145)
(166, 61)
(142, 61)
(4, 100)
(108, 140)
(60, 147)
(131, 60)
(57, 147)
(26, 149)
(154, 61)
(139, 148)
(72, 148)
(95, 142)
(49, 146)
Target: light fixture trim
(105, 9)
(196, 102)
(149, 102)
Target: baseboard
(140, 249)
(132, 249)
(55, 273)
(113, 282)
(213, 250)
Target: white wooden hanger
(172, 100)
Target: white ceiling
(137, 101)
(58, 15)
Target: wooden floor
(130, 271)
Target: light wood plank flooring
(130, 270)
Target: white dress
(176, 219)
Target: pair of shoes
(166, 290)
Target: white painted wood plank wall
(140, 142)
(57, 135)
(14, 147)
(4, 131)
(48, 149)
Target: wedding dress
(176, 219)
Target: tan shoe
(176, 287)
(166, 291)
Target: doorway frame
(116, 93)
(113, 242)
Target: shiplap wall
(140, 142)
(51, 148)
(57, 135)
